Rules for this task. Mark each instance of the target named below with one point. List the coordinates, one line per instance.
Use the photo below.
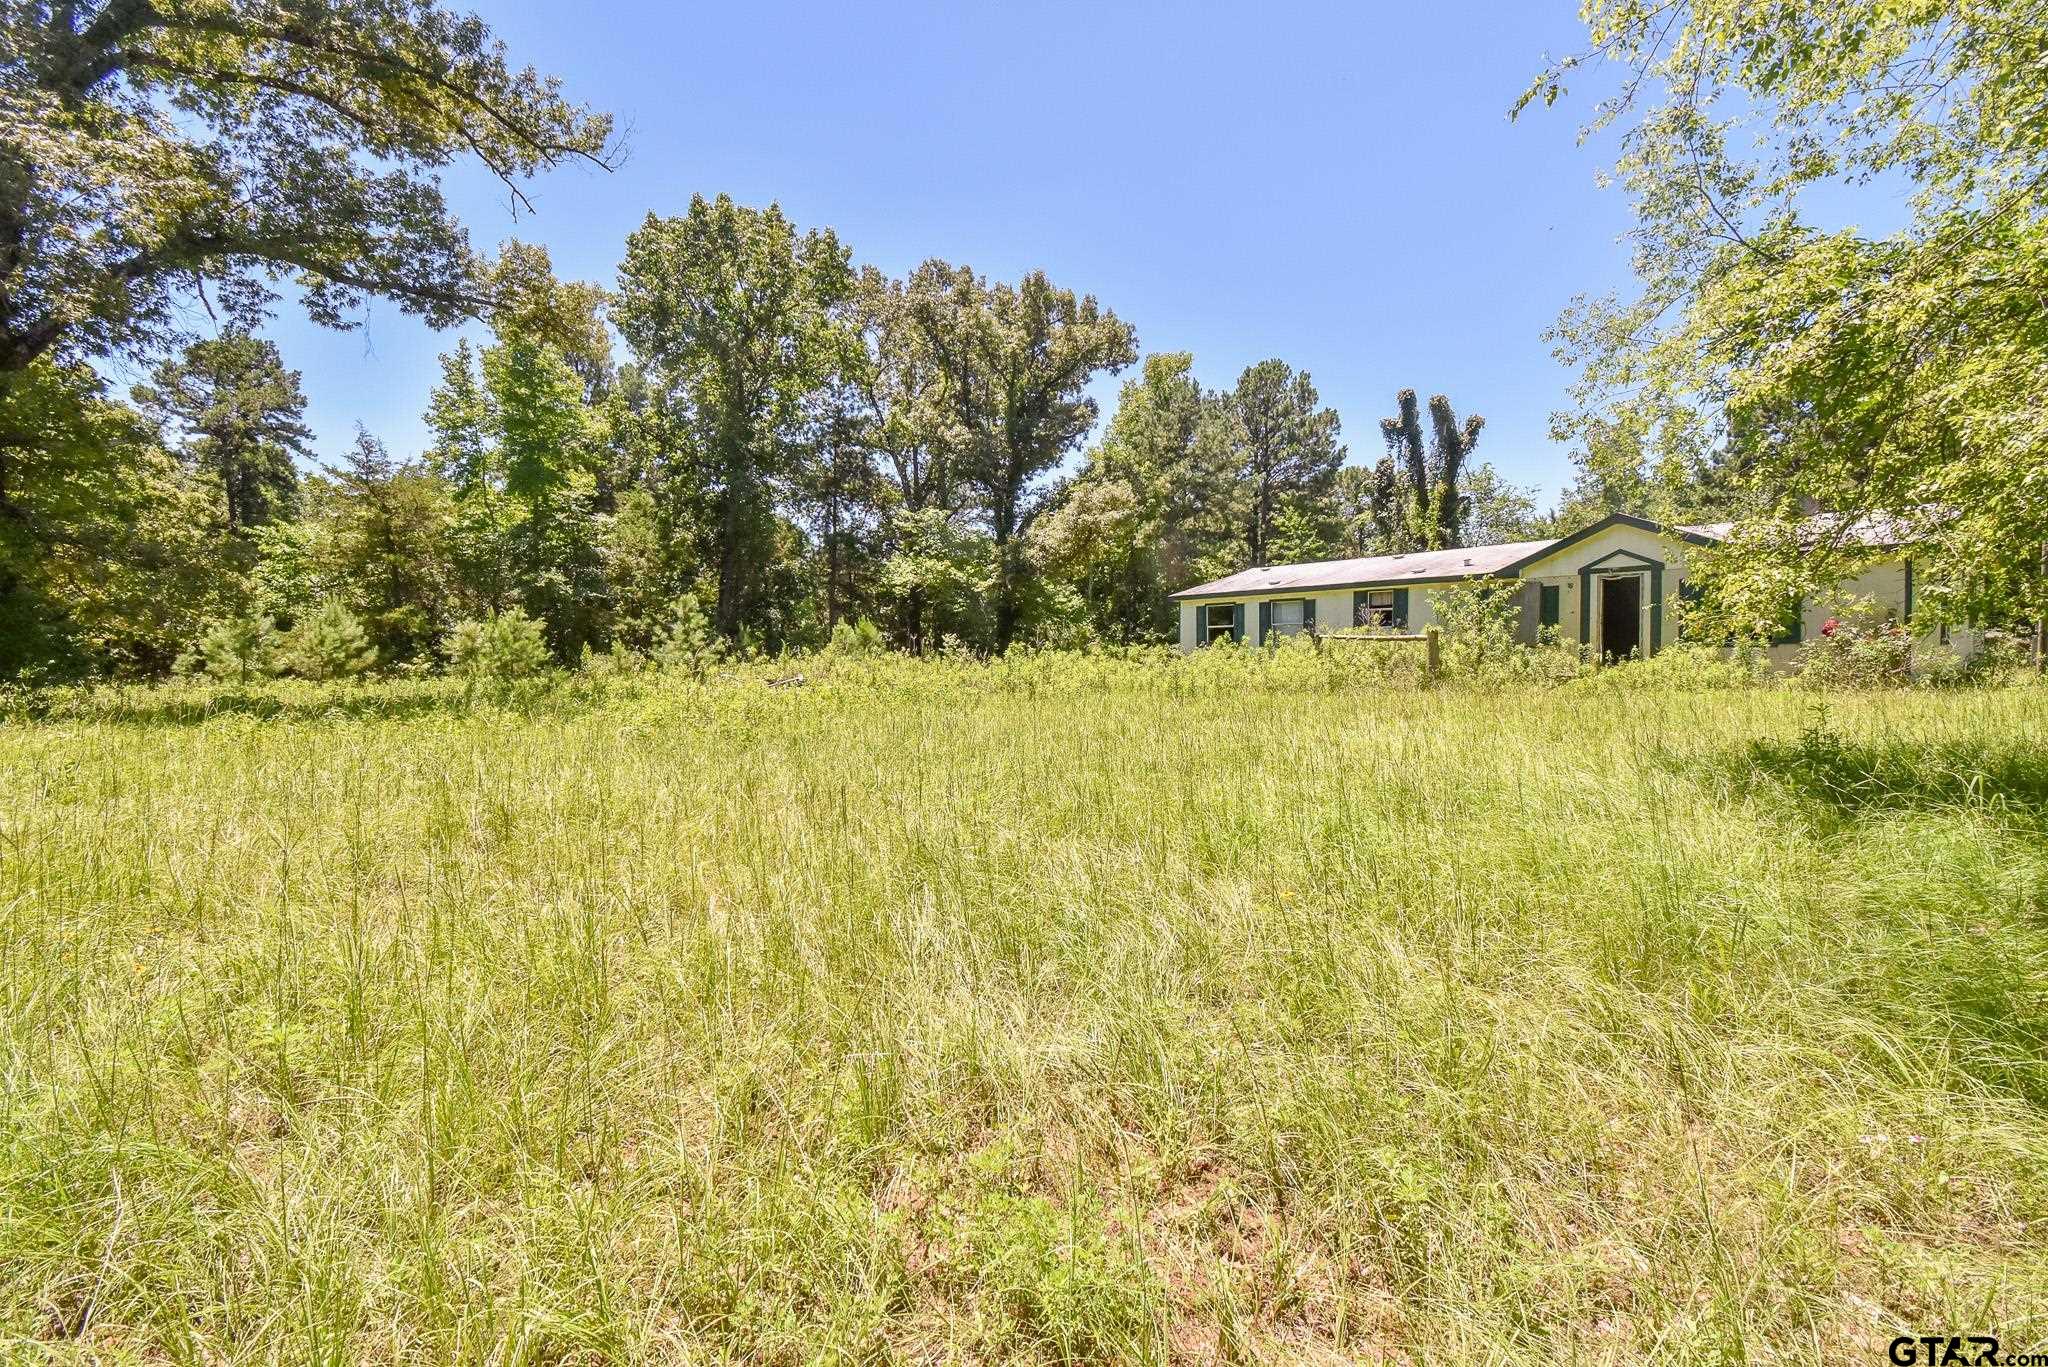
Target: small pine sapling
(330, 643)
(240, 650)
(687, 644)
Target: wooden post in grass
(1430, 636)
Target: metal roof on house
(1475, 562)
(1877, 530)
(1372, 571)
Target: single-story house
(1613, 587)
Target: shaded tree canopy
(155, 149)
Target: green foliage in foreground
(1048, 1009)
(1793, 356)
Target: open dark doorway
(1621, 616)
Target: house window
(1222, 622)
(1547, 605)
(1376, 608)
(1288, 616)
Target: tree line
(747, 426)
(750, 428)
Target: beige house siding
(1333, 610)
(1578, 570)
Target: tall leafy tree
(151, 151)
(656, 539)
(1014, 363)
(871, 452)
(1287, 448)
(889, 407)
(1895, 376)
(730, 314)
(896, 397)
(533, 303)
(1432, 503)
(1150, 506)
(238, 417)
(520, 449)
(1620, 466)
(1495, 511)
(465, 456)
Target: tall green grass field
(1026, 1012)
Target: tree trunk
(832, 588)
(728, 618)
(1006, 597)
(1006, 602)
(913, 611)
(2041, 622)
(1005, 529)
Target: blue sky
(1335, 184)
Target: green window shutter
(1401, 607)
(1547, 605)
(1201, 624)
(1308, 614)
(1236, 622)
(1358, 607)
(1265, 621)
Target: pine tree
(687, 645)
(505, 645)
(236, 414)
(1288, 452)
(331, 644)
(240, 650)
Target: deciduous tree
(730, 313)
(1014, 363)
(153, 151)
(107, 558)
(1895, 376)
(1149, 506)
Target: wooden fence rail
(1431, 638)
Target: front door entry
(1621, 616)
